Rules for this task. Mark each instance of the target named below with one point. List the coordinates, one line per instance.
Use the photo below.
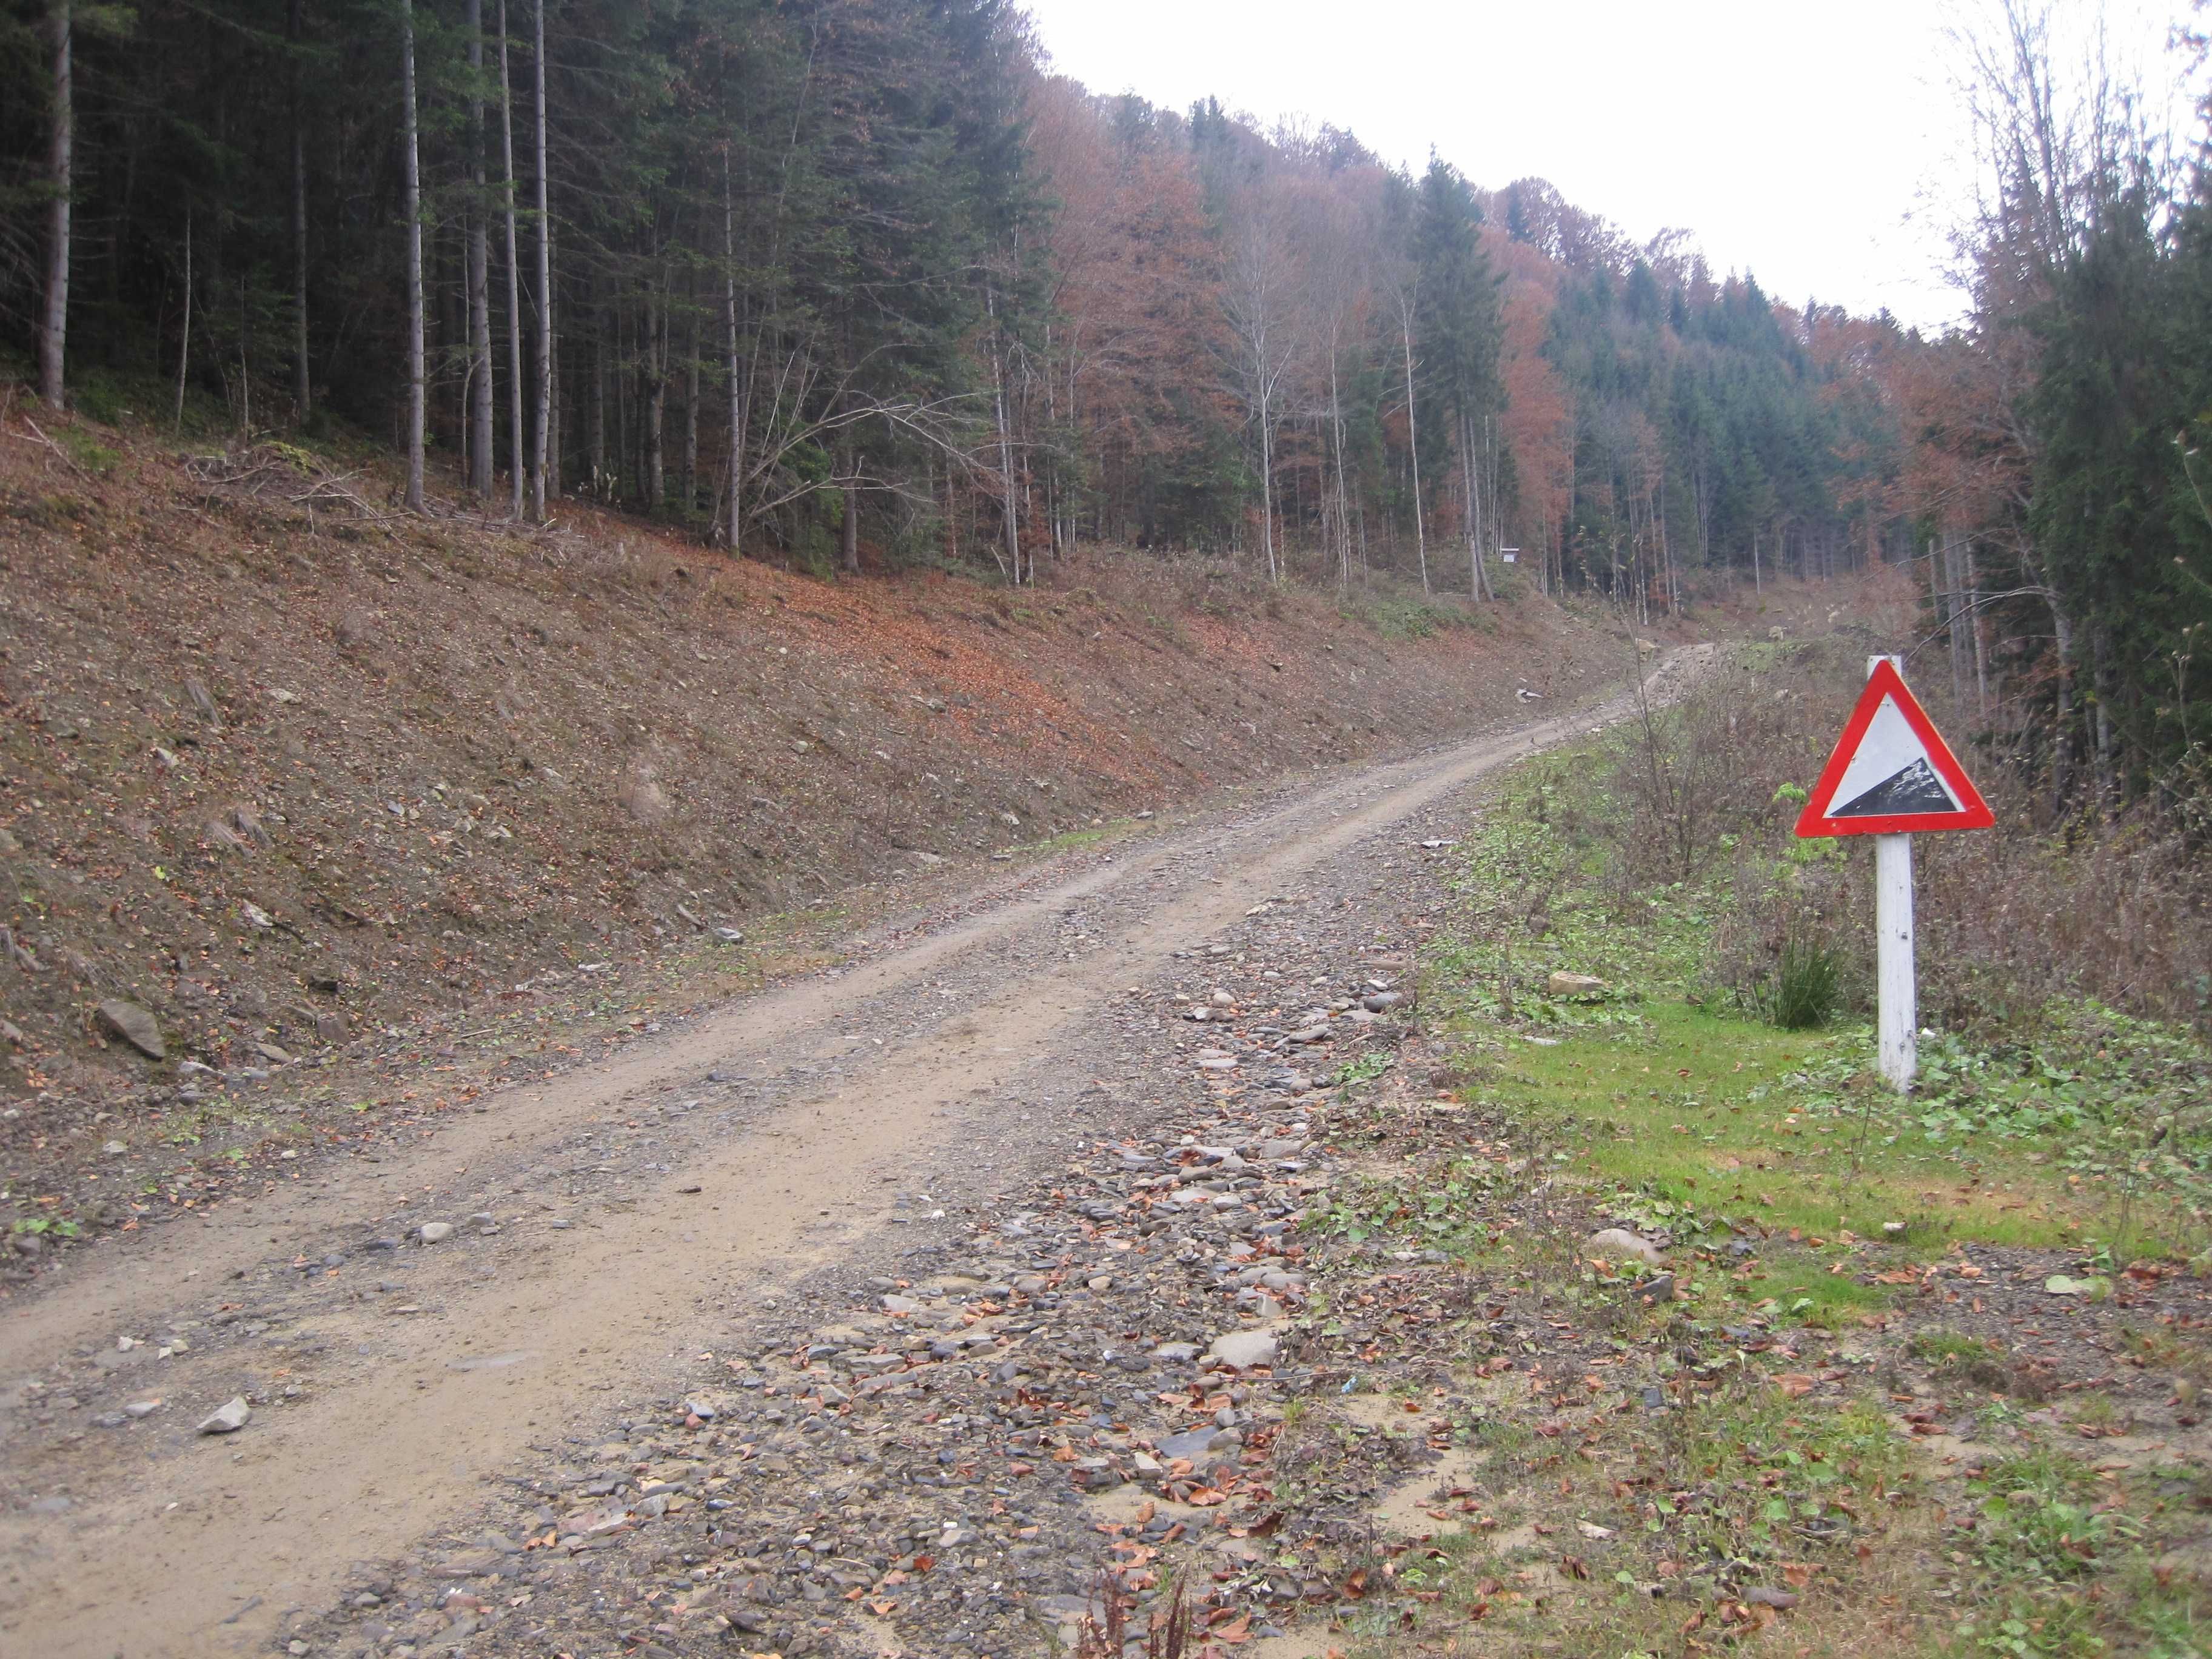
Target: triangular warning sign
(1891, 772)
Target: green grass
(87, 451)
(1707, 1113)
(1067, 840)
(1800, 1289)
(1405, 618)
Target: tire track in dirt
(164, 1551)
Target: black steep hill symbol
(1916, 789)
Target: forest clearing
(824, 842)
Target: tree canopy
(826, 280)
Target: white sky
(1819, 146)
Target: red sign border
(1973, 812)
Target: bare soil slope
(281, 767)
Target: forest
(864, 284)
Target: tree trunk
(691, 411)
(185, 343)
(1955, 612)
(303, 390)
(1011, 522)
(53, 327)
(1414, 444)
(628, 444)
(655, 356)
(951, 520)
(1343, 495)
(556, 395)
(2100, 725)
(515, 435)
(1974, 629)
(736, 468)
(412, 205)
(1466, 464)
(2061, 741)
(595, 418)
(1267, 486)
(479, 273)
(850, 528)
(245, 363)
(545, 287)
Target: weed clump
(1809, 983)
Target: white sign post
(1892, 773)
(1896, 978)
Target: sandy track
(169, 1543)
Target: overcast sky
(1819, 147)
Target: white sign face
(1891, 773)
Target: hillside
(284, 769)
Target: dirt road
(607, 1223)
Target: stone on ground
(1619, 1242)
(227, 1417)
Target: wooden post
(1899, 992)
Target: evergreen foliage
(831, 278)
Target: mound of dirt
(282, 766)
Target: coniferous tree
(1459, 343)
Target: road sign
(1891, 772)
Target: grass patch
(1728, 1121)
(1067, 840)
(2065, 1562)
(1794, 1289)
(1653, 1532)
(1405, 618)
